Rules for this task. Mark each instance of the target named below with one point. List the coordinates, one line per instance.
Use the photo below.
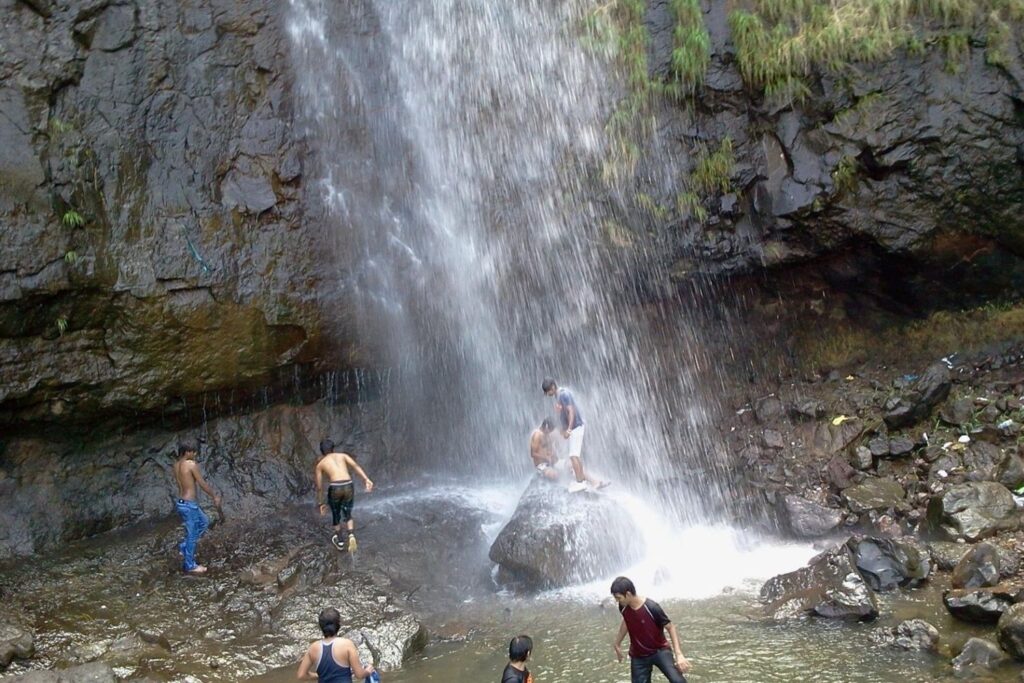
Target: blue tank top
(328, 670)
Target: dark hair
(186, 446)
(330, 622)
(548, 385)
(326, 446)
(621, 585)
(547, 424)
(520, 648)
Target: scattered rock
(840, 474)
(1010, 631)
(772, 438)
(1010, 471)
(928, 391)
(829, 438)
(915, 635)
(982, 605)
(15, 642)
(810, 520)
(861, 458)
(94, 672)
(829, 586)
(958, 412)
(879, 446)
(768, 409)
(808, 409)
(900, 446)
(973, 511)
(978, 652)
(874, 494)
(886, 563)
(979, 567)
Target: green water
(726, 638)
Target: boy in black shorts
(340, 492)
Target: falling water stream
(456, 147)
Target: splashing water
(457, 145)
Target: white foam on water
(693, 562)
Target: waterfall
(455, 147)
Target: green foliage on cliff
(780, 42)
(692, 48)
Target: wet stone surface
(122, 601)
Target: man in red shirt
(646, 623)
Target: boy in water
(333, 659)
(519, 651)
(541, 451)
(572, 429)
(188, 477)
(646, 623)
(340, 492)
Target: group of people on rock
(646, 624)
(335, 660)
(542, 450)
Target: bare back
(540, 448)
(334, 466)
(185, 475)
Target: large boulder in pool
(887, 563)
(829, 586)
(556, 538)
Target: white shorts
(576, 442)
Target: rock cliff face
(916, 156)
(152, 212)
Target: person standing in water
(646, 623)
(333, 659)
(519, 650)
(541, 451)
(340, 492)
(188, 477)
(572, 429)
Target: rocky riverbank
(900, 473)
(121, 605)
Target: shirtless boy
(541, 450)
(188, 476)
(340, 492)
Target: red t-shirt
(646, 628)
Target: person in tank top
(333, 659)
(646, 622)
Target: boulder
(879, 493)
(768, 409)
(556, 538)
(887, 563)
(861, 458)
(15, 642)
(1010, 631)
(1010, 471)
(807, 409)
(807, 519)
(979, 652)
(928, 391)
(979, 567)
(973, 511)
(829, 586)
(982, 605)
(900, 446)
(914, 635)
(840, 474)
(981, 460)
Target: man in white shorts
(572, 429)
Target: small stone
(861, 458)
(772, 438)
(900, 445)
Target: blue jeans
(196, 523)
(640, 667)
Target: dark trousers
(640, 668)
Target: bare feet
(198, 569)
(603, 484)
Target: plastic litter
(839, 420)
(964, 439)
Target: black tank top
(328, 670)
